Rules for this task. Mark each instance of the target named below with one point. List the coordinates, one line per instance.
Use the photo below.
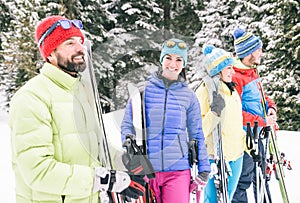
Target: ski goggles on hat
(65, 24)
(180, 45)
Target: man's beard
(70, 66)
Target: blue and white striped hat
(216, 59)
(245, 43)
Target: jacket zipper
(85, 119)
(163, 129)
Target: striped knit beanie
(245, 43)
(216, 59)
(57, 36)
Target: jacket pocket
(180, 145)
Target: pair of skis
(136, 94)
(274, 149)
(92, 91)
(220, 167)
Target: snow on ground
(7, 181)
(288, 141)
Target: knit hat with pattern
(56, 37)
(216, 59)
(245, 43)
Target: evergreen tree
(24, 60)
(219, 18)
(180, 17)
(4, 53)
(283, 62)
(127, 37)
(129, 48)
(4, 25)
(21, 62)
(140, 28)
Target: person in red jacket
(248, 49)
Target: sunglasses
(65, 24)
(180, 45)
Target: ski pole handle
(255, 130)
(128, 144)
(255, 134)
(249, 141)
(267, 130)
(193, 155)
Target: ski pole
(282, 185)
(193, 157)
(255, 134)
(261, 191)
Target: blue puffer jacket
(173, 118)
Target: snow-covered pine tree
(121, 21)
(283, 62)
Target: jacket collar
(156, 78)
(224, 88)
(58, 76)
(238, 64)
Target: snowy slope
(7, 181)
(288, 143)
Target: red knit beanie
(58, 36)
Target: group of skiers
(58, 155)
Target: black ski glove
(136, 187)
(133, 164)
(136, 162)
(218, 103)
(256, 157)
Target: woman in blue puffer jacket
(172, 119)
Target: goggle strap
(65, 24)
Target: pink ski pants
(172, 187)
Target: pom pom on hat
(174, 50)
(56, 37)
(245, 43)
(238, 33)
(208, 49)
(216, 59)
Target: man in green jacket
(56, 153)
